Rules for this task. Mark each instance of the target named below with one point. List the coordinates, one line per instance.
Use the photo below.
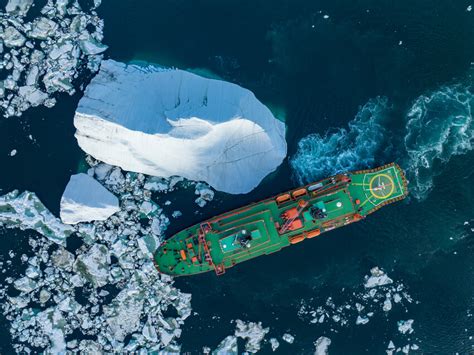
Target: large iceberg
(85, 200)
(167, 122)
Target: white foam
(440, 126)
(343, 149)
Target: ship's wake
(343, 149)
(439, 125)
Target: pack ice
(85, 200)
(167, 122)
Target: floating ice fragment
(94, 265)
(469, 8)
(362, 320)
(25, 211)
(228, 346)
(90, 46)
(123, 314)
(84, 200)
(25, 284)
(274, 343)
(387, 304)
(42, 28)
(405, 326)
(19, 7)
(288, 338)
(205, 194)
(63, 259)
(176, 214)
(252, 332)
(322, 345)
(12, 37)
(32, 95)
(13, 152)
(377, 278)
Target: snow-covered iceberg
(167, 122)
(85, 200)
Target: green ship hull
(268, 226)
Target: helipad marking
(379, 197)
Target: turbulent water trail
(439, 125)
(344, 149)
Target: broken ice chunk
(377, 278)
(25, 284)
(94, 265)
(42, 28)
(362, 320)
(288, 338)
(274, 343)
(322, 345)
(252, 332)
(19, 7)
(84, 200)
(405, 326)
(32, 95)
(91, 47)
(25, 211)
(12, 37)
(205, 194)
(228, 346)
(63, 259)
(123, 314)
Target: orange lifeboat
(313, 233)
(296, 239)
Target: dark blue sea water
(377, 81)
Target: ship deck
(274, 223)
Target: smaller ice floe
(13, 152)
(274, 343)
(321, 346)
(205, 194)
(227, 346)
(469, 8)
(362, 320)
(94, 265)
(85, 200)
(253, 332)
(176, 214)
(377, 278)
(405, 326)
(288, 338)
(25, 211)
(390, 348)
(18, 7)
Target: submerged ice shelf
(167, 122)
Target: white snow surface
(167, 122)
(85, 200)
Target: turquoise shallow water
(319, 73)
